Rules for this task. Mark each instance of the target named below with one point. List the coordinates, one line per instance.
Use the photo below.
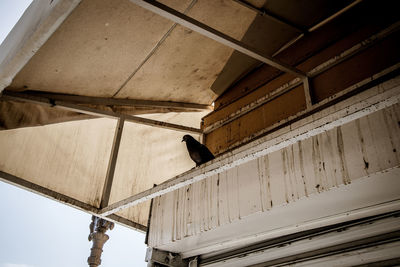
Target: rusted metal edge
(261, 148)
(312, 73)
(53, 195)
(211, 33)
(96, 112)
(105, 101)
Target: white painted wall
(349, 167)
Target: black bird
(198, 152)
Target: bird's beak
(183, 140)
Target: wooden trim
(312, 73)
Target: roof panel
(187, 63)
(69, 158)
(95, 50)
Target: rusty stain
(333, 159)
(268, 177)
(385, 115)
(261, 181)
(293, 172)
(302, 167)
(218, 200)
(366, 164)
(345, 173)
(316, 158)
(283, 153)
(363, 149)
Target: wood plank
(372, 60)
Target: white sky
(38, 232)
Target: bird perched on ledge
(198, 152)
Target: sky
(39, 232)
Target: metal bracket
(155, 256)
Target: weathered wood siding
(331, 159)
(336, 56)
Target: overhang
(96, 95)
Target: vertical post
(112, 163)
(307, 93)
(98, 228)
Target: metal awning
(151, 63)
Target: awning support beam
(97, 112)
(112, 163)
(105, 101)
(40, 190)
(211, 33)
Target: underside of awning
(97, 94)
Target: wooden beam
(354, 50)
(218, 36)
(253, 105)
(112, 163)
(96, 112)
(104, 101)
(248, 153)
